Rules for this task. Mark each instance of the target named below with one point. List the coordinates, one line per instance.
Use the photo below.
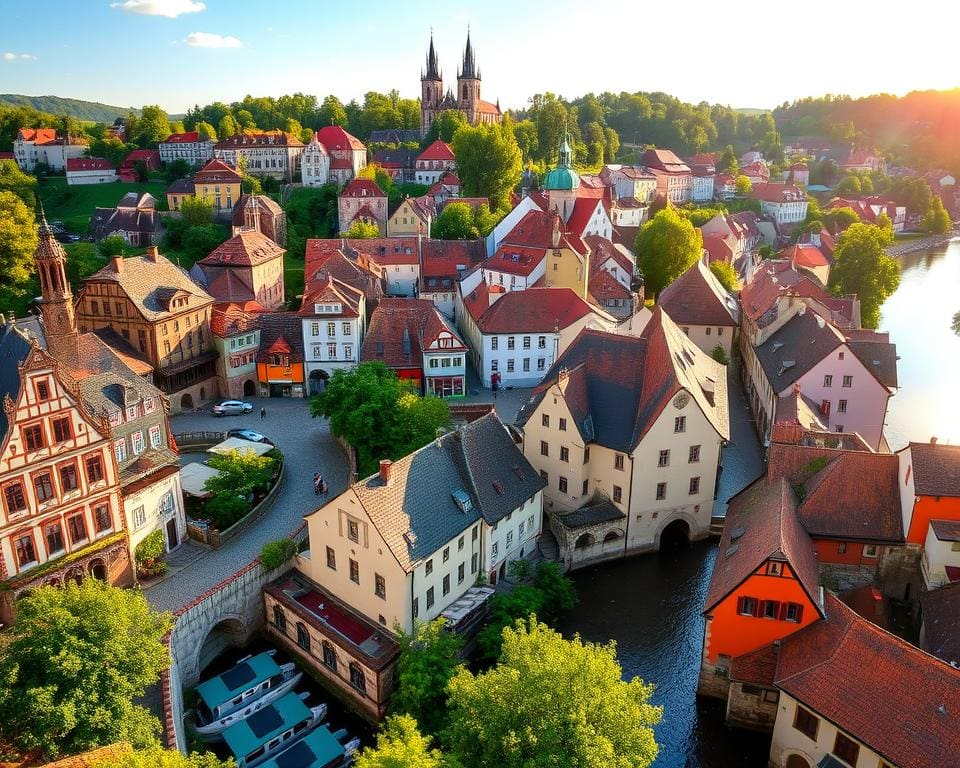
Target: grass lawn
(292, 277)
(74, 205)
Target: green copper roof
(562, 178)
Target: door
(172, 540)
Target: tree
(849, 186)
(196, 211)
(525, 132)
(361, 230)
(884, 222)
(177, 169)
(400, 745)
(485, 220)
(273, 554)
(153, 126)
(23, 185)
(557, 588)
(551, 701)
(936, 220)
(444, 126)
(862, 266)
(77, 658)
(726, 274)
(199, 241)
(157, 757)
(488, 161)
(743, 186)
(612, 140)
(207, 132)
(666, 247)
(241, 473)
(506, 608)
(18, 241)
(228, 127)
(332, 112)
(552, 121)
(955, 324)
(111, 246)
(719, 354)
(838, 219)
(456, 222)
(429, 657)
(727, 163)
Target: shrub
(276, 553)
(719, 354)
(225, 509)
(150, 548)
(111, 246)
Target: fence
(198, 439)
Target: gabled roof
(362, 188)
(778, 193)
(876, 353)
(698, 298)
(334, 138)
(799, 345)
(107, 221)
(773, 279)
(762, 524)
(616, 386)
(415, 512)
(78, 164)
(248, 248)
(280, 331)
(182, 138)
(331, 290)
(720, 247)
(400, 331)
(516, 259)
(936, 469)
(439, 150)
(536, 310)
(321, 263)
(602, 286)
(443, 258)
(805, 255)
(231, 318)
(940, 608)
(583, 210)
(216, 171)
(602, 250)
(535, 229)
(664, 160)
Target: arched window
(611, 536)
(586, 540)
(279, 618)
(357, 679)
(303, 637)
(464, 93)
(329, 656)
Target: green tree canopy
(726, 274)
(485, 220)
(227, 127)
(157, 757)
(241, 472)
(332, 112)
(400, 745)
(550, 702)
(955, 323)
(849, 186)
(666, 247)
(838, 219)
(76, 660)
(196, 210)
(444, 126)
(525, 132)
(23, 185)
(207, 132)
(153, 126)
(862, 266)
(936, 220)
(456, 222)
(488, 161)
(18, 242)
(743, 185)
(727, 162)
(361, 230)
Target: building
(263, 214)
(799, 174)
(412, 337)
(785, 204)
(400, 162)
(329, 257)
(275, 154)
(164, 315)
(362, 200)
(247, 267)
(236, 337)
(348, 155)
(413, 217)
(315, 164)
(218, 183)
(333, 316)
(177, 192)
(188, 147)
(808, 258)
(702, 185)
(90, 170)
(674, 178)
(515, 336)
(630, 182)
(135, 219)
(128, 168)
(870, 208)
(280, 357)
(702, 308)
(46, 146)
(863, 161)
(627, 433)
(466, 100)
(445, 262)
(434, 162)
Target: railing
(199, 438)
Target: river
(918, 318)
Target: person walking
(316, 483)
(263, 413)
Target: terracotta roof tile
(216, 171)
(77, 164)
(249, 248)
(330, 290)
(698, 298)
(439, 150)
(936, 469)
(334, 138)
(940, 609)
(182, 138)
(401, 329)
(536, 310)
(265, 139)
(603, 286)
(362, 188)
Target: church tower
(431, 90)
(468, 84)
(56, 305)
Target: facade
(413, 217)
(90, 170)
(330, 258)
(702, 308)
(701, 188)
(45, 145)
(627, 434)
(186, 146)
(466, 100)
(247, 267)
(220, 184)
(444, 263)
(280, 357)
(363, 200)
(348, 155)
(674, 178)
(433, 163)
(785, 204)
(263, 214)
(315, 164)
(333, 318)
(236, 336)
(163, 315)
(275, 154)
(135, 219)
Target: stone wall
(752, 706)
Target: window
(26, 553)
(793, 612)
(526, 363)
(94, 469)
(138, 444)
(564, 453)
(828, 381)
(709, 330)
(806, 722)
(680, 424)
(541, 342)
(156, 438)
(839, 427)
(770, 609)
(694, 486)
(460, 573)
(526, 342)
(54, 537)
(495, 549)
(416, 605)
(494, 343)
(332, 351)
(446, 584)
(102, 521)
(430, 598)
(869, 550)
(314, 329)
(303, 637)
(61, 429)
(664, 460)
(331, 559)
(14, 498)
(331, 330)
(510, 365)
(661, 491)
(43, 391)
(429, 566)
(541, 364)
(618, 461)
(617, 494)
(586, 486)
(747, 606)
(694, 454)
(840, 356)
(68, 478)
(346, 329)
(354, 571)
(474, 559)
(353, 530)
(544, 448)
(842, 548)
(357, 679)
(43, 486)
(563, 425)
(719, 331)
(846, 749)
(379, 586)
(494, 366)
(545, 420)
(33, 437)
(511, 342)
(329, 656)
(586, 454)
(842, 406)
(563, 485)
(544, 476)
(279, 618)
(77, 529)
(848, 381)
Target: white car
(232, 408)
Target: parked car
(232, 408)
(248, 434)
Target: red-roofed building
(348, 155)
(757, 172)
(273, 153)
(724, 186)
(128, 168)
(280, 363)
(674, 178)
(702, 308)
(362, 200)
(806, 257)
(433, 163)
(90, 170)
(444, 262)
(236, 337)
(333, 317)
(869, 209)
(798, 174)
(863, 161)
(785, 204)
(186, 146)
(44, 145)
(255, 266)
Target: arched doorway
(249, 388)
(797, 761)
(98, 570)
(186, 402)
(75, 575)
(318, 381)
(223, 634)
(586, 540)
(203, 394)
(675, 536)
(611, 541)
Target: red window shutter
(799, 613)
(783, 611)
(741, 601)
(756, 608)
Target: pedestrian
(263, 413)
(316, 483)
(323, 487)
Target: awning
(239, 444)
(194, 476)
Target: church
(466, 99)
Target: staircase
(548, 546)
(716, 526)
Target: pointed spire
(469, 68)
(44, 228)
(433, 70)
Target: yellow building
(567, 267)
(412, 218)
(217, 182)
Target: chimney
(117, 263)
(385, 465)
(153, 253)
(933, 441)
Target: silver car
(232, 408)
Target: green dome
(562, 178)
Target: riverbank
(921, 243)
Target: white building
(276, 154)
(42, 145)
(186, 146)
(784, 203)
(508, 222)
(701, 189)
(90, 170)
(434, 163)
(315, 164)
(333, 317)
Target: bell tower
(56, 305)
(468, 84)
(431, 90)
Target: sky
(744, 53)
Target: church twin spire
(468, 69)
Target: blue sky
(746, 53)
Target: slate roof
(14, 350)
(616, 386)
(698, 298)
(283, 329)
(936, 469)
(395, 136)
(249, 248)
(181, 187)
(591, 513)
(877, 354)
(940, 609)
(401, 329)
(799, 345)
(415, 512)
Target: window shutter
(799, 613)
(783, 611)
(741, 601)
(756, 607)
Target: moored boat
(318, 749)
(350, 746)
(269, 730)
(214, 731)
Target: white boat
(271, 730)
(251, 684)
(350, 746)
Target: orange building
(280, 355)
(930, 486)
(764, 584)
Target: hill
(57, 105)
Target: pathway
(743, 455)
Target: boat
(350, 746)
(214, 731)
(271, 729)
(254, 679)
(318, 749)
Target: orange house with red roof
(280, 355)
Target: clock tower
(56, 305)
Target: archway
(186, 402)
(203, 394)
(611, 541)
(98, 569)
(797, 761)
(318, 381)
(675, 536)
(586, 540)
(225, 633)
(249, 388)
(75, 575)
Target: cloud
(8, 56)
(211, 40)
(169, 8)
